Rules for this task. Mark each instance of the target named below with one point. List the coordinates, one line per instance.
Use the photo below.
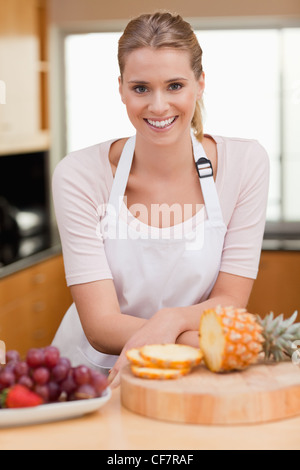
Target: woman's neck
(163, 161)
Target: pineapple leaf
(268, 321)
(279, 335)
(291, 320)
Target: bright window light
(252, 91)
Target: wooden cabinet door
(277, 287)
(23, 117)
(32, 305)
(19, 52)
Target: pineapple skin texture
(241, 335)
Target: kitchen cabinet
(23, 73)
(32, 304)
(277, 287)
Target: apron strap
(122, 175)
(204, 169)
(209, 190)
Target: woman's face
(160, 91)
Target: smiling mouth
(161, 124)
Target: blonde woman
(157, 227)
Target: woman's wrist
(190, 338)
(173, 317)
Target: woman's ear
(121, 89)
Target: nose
(158, 104)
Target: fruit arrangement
(46, 377)
(163, 361)
(229, 339)
(232, 339)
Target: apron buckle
(204, 167)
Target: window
(252, 91)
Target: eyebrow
(143, 82)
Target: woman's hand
(191, 338)
(164, 327)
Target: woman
(158, 227)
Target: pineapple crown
(279, 335)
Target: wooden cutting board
(263, 392)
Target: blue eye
(175, 86)
(140, 89)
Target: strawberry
(19, 396)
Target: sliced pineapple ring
(158, 373)
(173, 356)
(134, 357)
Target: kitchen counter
(281, 245)
(115, 428)
(46, 245)
(54, 247)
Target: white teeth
(161, 124)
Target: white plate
(52, 411)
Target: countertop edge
(30, 261)
(56, 249)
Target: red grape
(68, 385)
(54, 391)
(99, 381)
(21, 368)
(85, 392)
(43, 392)
(7, 378)
(66, 362)
(81, 375)
(51, 356)
(35, 357)
(26, 381)
(59, 372)
(41, 375)
(12, 356)
(10, 367)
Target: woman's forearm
(192, 314)
(113, 332)
(105, 327)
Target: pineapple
(231, 338)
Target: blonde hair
(163, 29)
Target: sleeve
(75, 204)
(243, 240)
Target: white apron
(152, 267)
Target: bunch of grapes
(51, 376)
